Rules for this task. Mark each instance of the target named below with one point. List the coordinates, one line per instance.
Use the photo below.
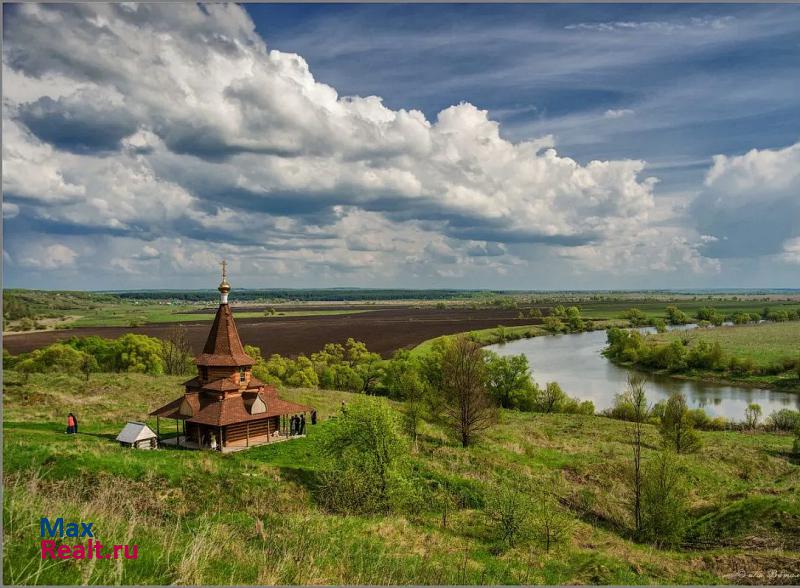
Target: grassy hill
(251, 517)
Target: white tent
(138, 435)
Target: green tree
(675, 316)
(751, 415)
(139, 353)
(509, 381)
(364, 450)
(550, 398)
(300, 373)
(575, 322)
(467, 405)
(677, 425)
(413, 391)
(636, 398)
(55, 358)
(89, 366)
(664, 501)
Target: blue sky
(514, 146)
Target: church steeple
(223, 346)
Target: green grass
(251, 518)
(121, 315)
(656, 309)
(764, 343)
(501, 334)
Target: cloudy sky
(516, 146)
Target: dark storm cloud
(77, 125)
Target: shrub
(664, 501)
(785, 420)
(676, 316)
(677, 426)
(549, 522)
(365, 451)
(554, 325)
(635, 316)
(509, 512)
(751, 415)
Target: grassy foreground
(251, 517)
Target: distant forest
(307, 295)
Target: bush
(365, 450)
(509, 512)
(785, 420)
(139, 353)
(664, 501)
(677, 426)
(55, 358)
(676, 316)
(554, 325)
(636, 317)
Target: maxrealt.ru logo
(90, 550)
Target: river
(575, 362)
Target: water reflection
(575, 362)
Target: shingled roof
(232, 409)
(223, 346)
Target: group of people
(72, 424)
(297, 425)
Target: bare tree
(468, 406)
(636, 396)
(176, 353)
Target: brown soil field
(384, 330)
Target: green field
(122, 315)
(251, 517)
(656, 309)
(764, 343)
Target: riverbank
(765, 355)
(503, 334)
(780, 384)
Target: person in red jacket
(72, 424)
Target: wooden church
(225, 406)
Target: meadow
(764, 343)
(252, 516)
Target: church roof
(223, 346)
(229, 410)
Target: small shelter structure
(137, 435)
(225, 406)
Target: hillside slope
(251, 517)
